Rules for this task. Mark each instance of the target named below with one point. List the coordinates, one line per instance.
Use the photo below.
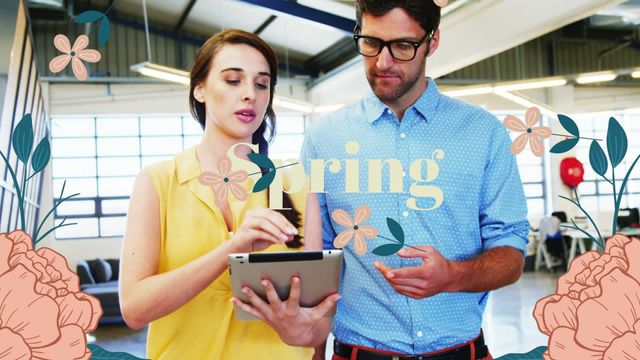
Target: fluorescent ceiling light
(596, 77)
(507, 86)
(162, 72)
(526, 103)
(453, 7)
(470, 90)
(327, 108)
(292, 104)
(531, 84)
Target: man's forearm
(491, 270)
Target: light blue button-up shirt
(482, 207)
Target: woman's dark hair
(199, 73)
(425, 12)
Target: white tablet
(319, 273)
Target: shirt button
(405, 213)
(403, 135)
(419, 333)
(404, 173)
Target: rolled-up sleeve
(503, 206)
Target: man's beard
(394, 93)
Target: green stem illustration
(584, 232)
(403, 244)
(614, 226)
(57, 203)
(279, 167)
(24, 184)
(18, 191)
(618, 200)
(576, 137)
(577, 203)
(62, 224)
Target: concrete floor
(509, 326)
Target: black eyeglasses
(403, 50)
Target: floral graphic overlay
(529, 132)
(358, 232)
(224, 181)
(43, 314)
(441, 3)
(268, 172)
(217, 180)
(595, 311)
(75, 54)
(23, 146)
(355, 229)
(616, 151)
(104, 29)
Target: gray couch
(99, 278)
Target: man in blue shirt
(473, 231)
(438, 166)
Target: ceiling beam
(333, 56)
(469, 35)
(185, 15)
(264, 25)
(305, 12)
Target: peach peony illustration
(43, 314)
(595, 312)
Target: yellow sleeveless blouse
(192, 225)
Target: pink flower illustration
(595, 312)
(43, 314)
(355, 229)
(75, 54)
(530, 134)
(225, 181)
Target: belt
(461, 352)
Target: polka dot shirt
(445, 173)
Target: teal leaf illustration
(564, 146)
(98, 353)
(41, 155)
(103, 32)
(262, 161)
(616, 142)
(23, 138)
(396, 230)
(88, 16)
(535, 354)
(569, 125)
(598, 159)
(387, 249)
(264, 181)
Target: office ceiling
(312, 37)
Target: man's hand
(432, 277)
(493, 269)
(296, 326)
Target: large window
(99, 157)
(532, 171)
(596, 194)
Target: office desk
(577, 238)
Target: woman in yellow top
(178, 235)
